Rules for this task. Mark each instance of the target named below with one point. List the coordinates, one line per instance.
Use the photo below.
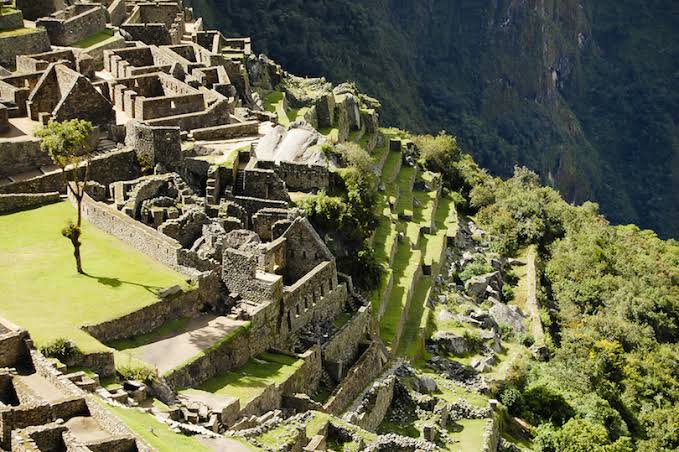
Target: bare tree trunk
(79, 198)
(76, 254)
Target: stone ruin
(189, 169)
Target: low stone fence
(182, 304)
(306, 379)
(226, 132)
(22, 201)
(361, 374)
(491, 434)
(136, 234)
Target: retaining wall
(12, 45)
(359, 376)
(22, 201)
(183, 304)
(105, 169)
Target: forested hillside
(582, 92)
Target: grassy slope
(250, 380)
(47, 296)
(155, 433)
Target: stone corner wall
(22, 44)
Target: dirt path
(531, 298)
(198, 335)
(223, 444)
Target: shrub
(60, 349)
(132, 372)
(477, 267)
(512, 399)
(507, 293)
(526, 340)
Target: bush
(60, 348)
(507, 293)
(439, 154)
(512, 399)
(140, 373)
(526, 340)
(477, 267)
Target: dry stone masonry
(192, 168)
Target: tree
(67, 145)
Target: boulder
(428, 385)
(512, 316)
(449, 342)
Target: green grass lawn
(154, 432)
(94, 39)
(47, 296)
(250, 380)
(17, 32)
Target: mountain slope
(584, 93)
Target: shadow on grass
(117, 282)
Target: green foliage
(364, 268)
(477, 267)
(71, 231)
(439, 154)
(606, 129)
(579, 435)
(66, 142)
(133, 372)
(512, 398)
(520, 211)
(60, 348)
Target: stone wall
(315, 297)
(136, 234)
(263, 221)
(155, 144)
(23, 201)
(226, 132)
(305, 380)
(300, 176)
(34, 9)
(12, 45)
(217, 114)
(254, 205)
(263, 184)
(116, 12)
(375, 404)
(11, 20)
(4, 119)
(344, 345)
(74, 23)
(231, 354)
(491, 434)
(105, 169)
(368, 366)
(241, 276)
(182, 304)
(13, 349)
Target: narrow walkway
(199, 334)
(42, 387)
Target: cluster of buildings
(190, 168)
